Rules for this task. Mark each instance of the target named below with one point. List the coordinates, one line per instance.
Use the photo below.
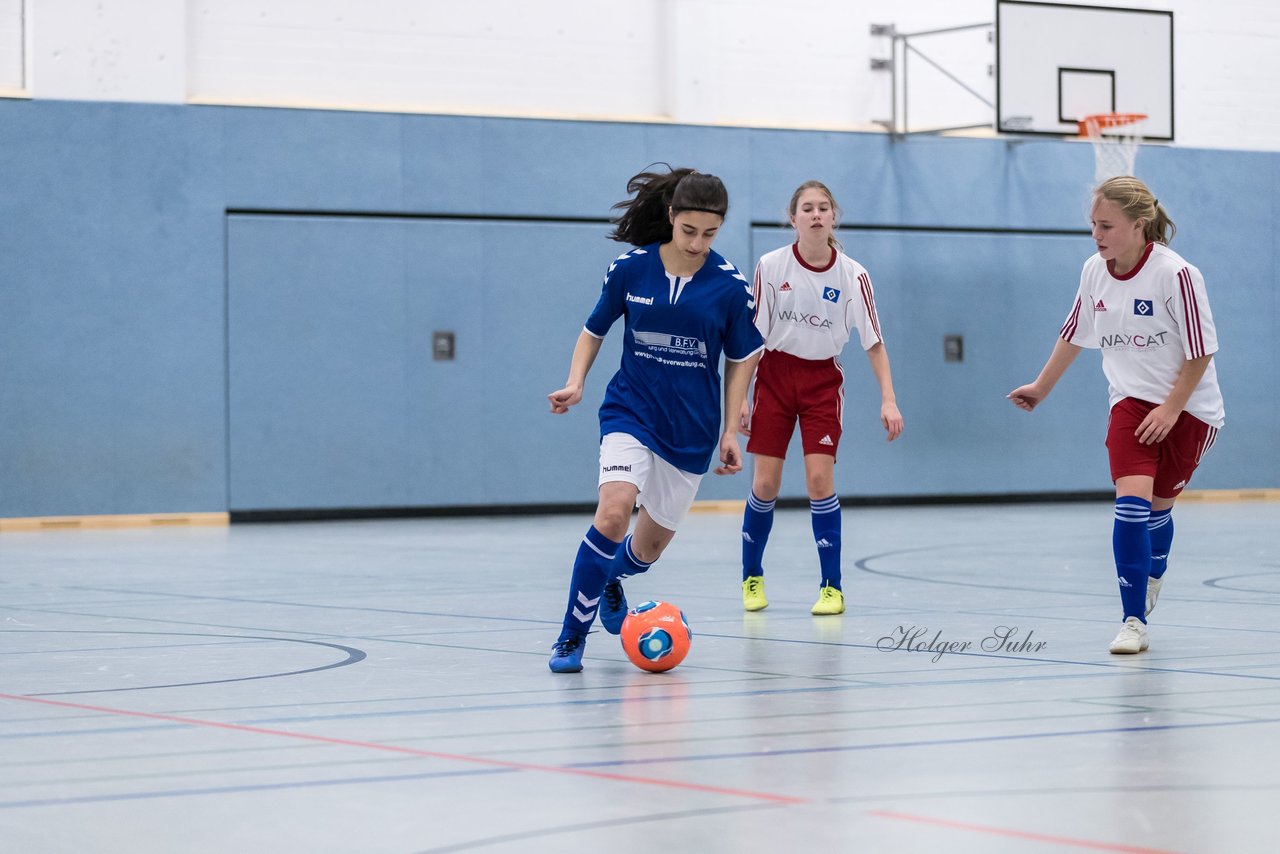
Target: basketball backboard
(1057, 63)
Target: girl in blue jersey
(683, 306)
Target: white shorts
(666, 492)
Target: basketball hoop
(1115, 138)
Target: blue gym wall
(209, 308)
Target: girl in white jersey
(810, 297)
(683, 306)
(1146, 309)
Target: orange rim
(1105, 121)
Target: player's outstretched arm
(584, 355)
(1027, 397)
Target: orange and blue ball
(656, 636)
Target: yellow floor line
(135, 520)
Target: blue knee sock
(626, 564)
(757, 522)
(1131, 542)
(1161, 527)
(825, 515)
(589, 570)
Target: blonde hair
(817, 185)
(1137, 202)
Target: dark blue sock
(589, 569)
(757, 522)
(626, 564)
(825, 515)
(1131, 542)
(1161, 527)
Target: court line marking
(354, 656)
(940, 742)
(525, 836)
(249, 787)
(413, 751)
(1018, 834)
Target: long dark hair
(643, 218)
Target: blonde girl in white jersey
(1147, 310)
(810, 298)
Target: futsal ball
(655, 636)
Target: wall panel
(335, 398)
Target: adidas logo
(826, 440)
(1124, 582)
(1180, 484)
(1099, 306)
(824, 543)
(786, 286)
(746, 538)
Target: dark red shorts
(788, 389)
(1170, 461)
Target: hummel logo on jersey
(642, 300)
(1142, 307)
(831, 295)
(1124, 582)
(786, 286)
(826, 440)
(1099, 306)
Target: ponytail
(1137, 202)
(644, 218)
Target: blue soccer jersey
(666, 392)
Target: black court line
(353, 656)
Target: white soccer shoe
(1132, 638)
(1153, 593)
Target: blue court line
(1124, 667)
(248, 601)
(599, 701)
(863, 564)
(97, 731)
(258, 787)
(891, 745)
(1111, 671)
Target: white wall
(12, 51)
(107, 50)
(802, 63)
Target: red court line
(1020, 834)
(412, 751)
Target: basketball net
(1115, 138)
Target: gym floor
(381, 686)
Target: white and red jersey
(1148, 323)
(810, 312)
